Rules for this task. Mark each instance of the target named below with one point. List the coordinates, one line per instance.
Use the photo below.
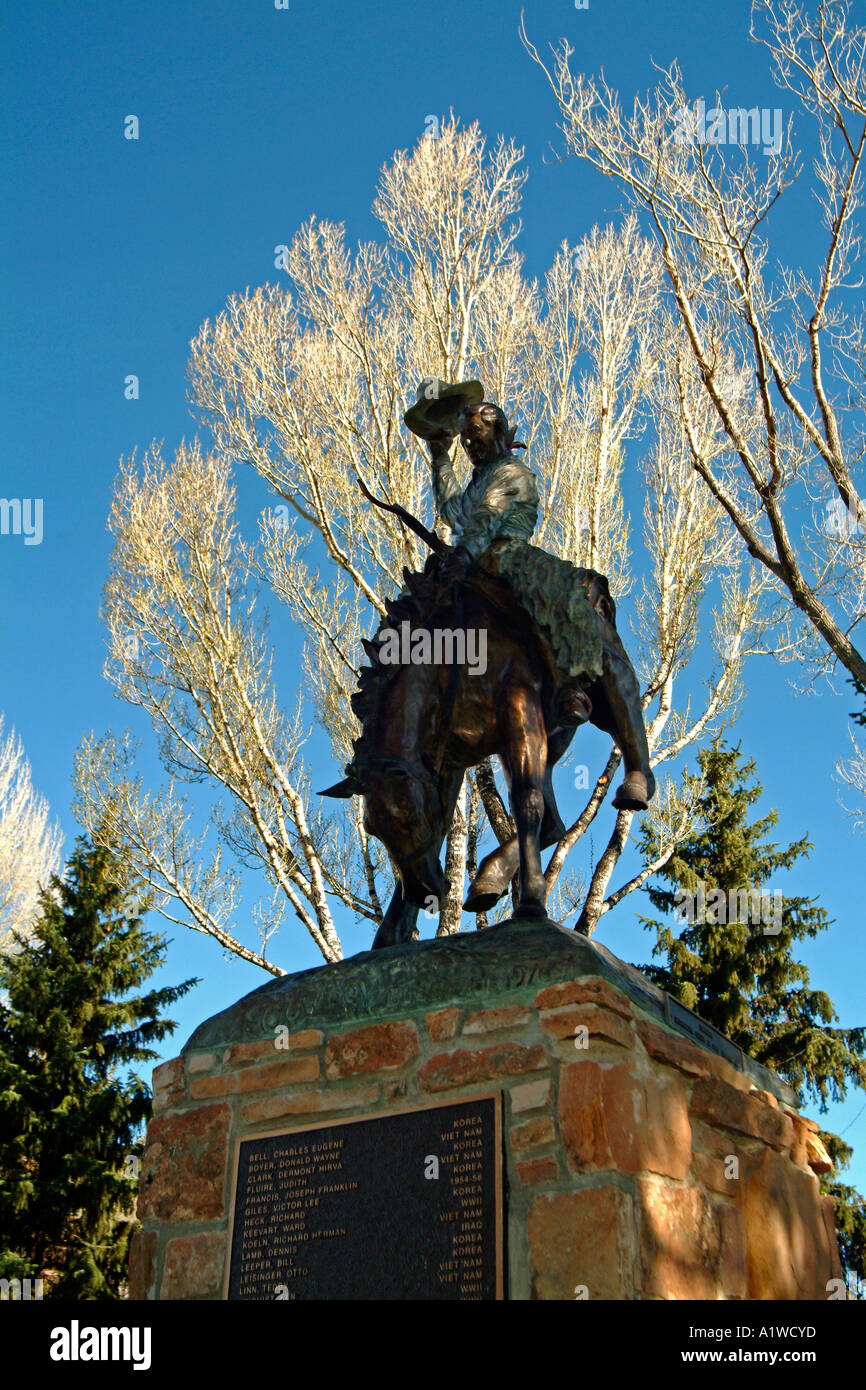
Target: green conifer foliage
(859, 715)
(72, 1024)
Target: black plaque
(688, 1022)
(406, 1205)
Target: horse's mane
(425, 591)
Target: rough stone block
(213, 1087)
(717, 1159)
(721, 1104)
(766, 1096)
(580, 1240)
(817, 1156)
(184, 1166)
(273, 1074)
(281, 1045)
(801, 1134)
(536, 1170)
(309, 1103)
(240, 1054)
(200, 1061)
(442, 1024)
(710, 1170)
(672, 1049)
(680, 1242)
(828, 1212)
(168, 1084)
(676, 1051)
(533, 1133)
(600, 1023)
(377, 1047)
(464, 1068)
(732, 1264)
(492, 1020)
(590, 989)
(305, 1038)
(530, 1096)
(611, 1118)
(811, 1125)
(287, 1073)
(790, 1254)
(194, 1266)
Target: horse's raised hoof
(635, 793)
(481, 902)
(491, 882)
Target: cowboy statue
(555, 661)
(493, 520)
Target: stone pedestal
(644, 1156)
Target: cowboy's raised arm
(446, 488)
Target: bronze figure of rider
(492, 519)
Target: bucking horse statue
(552, 660)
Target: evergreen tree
(850, 1213)
(71, 1115)
(738, 970)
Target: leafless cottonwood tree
(307, 385)
(776, 352)
(30, 843)
(852, 774)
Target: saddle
(565, 701)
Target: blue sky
(115, 251)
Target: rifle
(438, 546)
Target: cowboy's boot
(571, 706)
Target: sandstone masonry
(639, 1163)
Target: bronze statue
(552, 661)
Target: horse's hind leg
(617, 709)
(498, 868)
(399, 922)
(526, 756)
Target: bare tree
(307, 386)
(30, 843)
(775, 351)
(852, 773)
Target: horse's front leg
(494, 876)
(498, 868)
(398, 924)
(617, 710)
(526, 757)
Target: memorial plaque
(406, 1205)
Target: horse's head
(402, 808)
